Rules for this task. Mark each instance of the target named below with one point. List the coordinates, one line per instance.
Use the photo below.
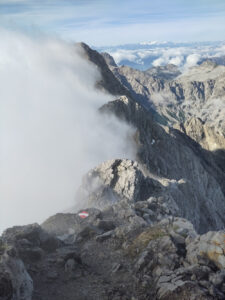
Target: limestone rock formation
(152, 228)
(202, 133)
(113, 180)
(116, 254)
(199, 92)
(210, 246)
(191, 178)
(108, 81)
(109, 59)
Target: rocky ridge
(198, 92)
(121, 252)
(154, 227)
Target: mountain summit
(151, 228)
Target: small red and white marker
(83, 214)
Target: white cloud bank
(50, 131)
(183, 55)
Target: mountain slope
(153, 228)
(199, 92)
(177, 160)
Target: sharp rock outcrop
(146, 229)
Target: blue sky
(111, 22)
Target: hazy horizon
(107, 22)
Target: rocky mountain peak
(208, 64)
(108, 81)
(109, 59)
(148, 228)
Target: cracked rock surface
(151, 228)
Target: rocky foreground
(153, 228)
(129, 250)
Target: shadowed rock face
(108, 82)
(190, 178)
(145, 234)
(109, 59)
(194, 160)
(6, 287)
(15, 282)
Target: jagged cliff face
(154, 227)
(191, 179)
(186, 161)
(196, 157)
(199, 92)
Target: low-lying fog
(50, 131)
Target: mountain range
(153, 227)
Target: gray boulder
(208, 247)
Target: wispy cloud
(102, 22)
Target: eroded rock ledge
(131, 246)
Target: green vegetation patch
(142, 240)
(3, 247)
